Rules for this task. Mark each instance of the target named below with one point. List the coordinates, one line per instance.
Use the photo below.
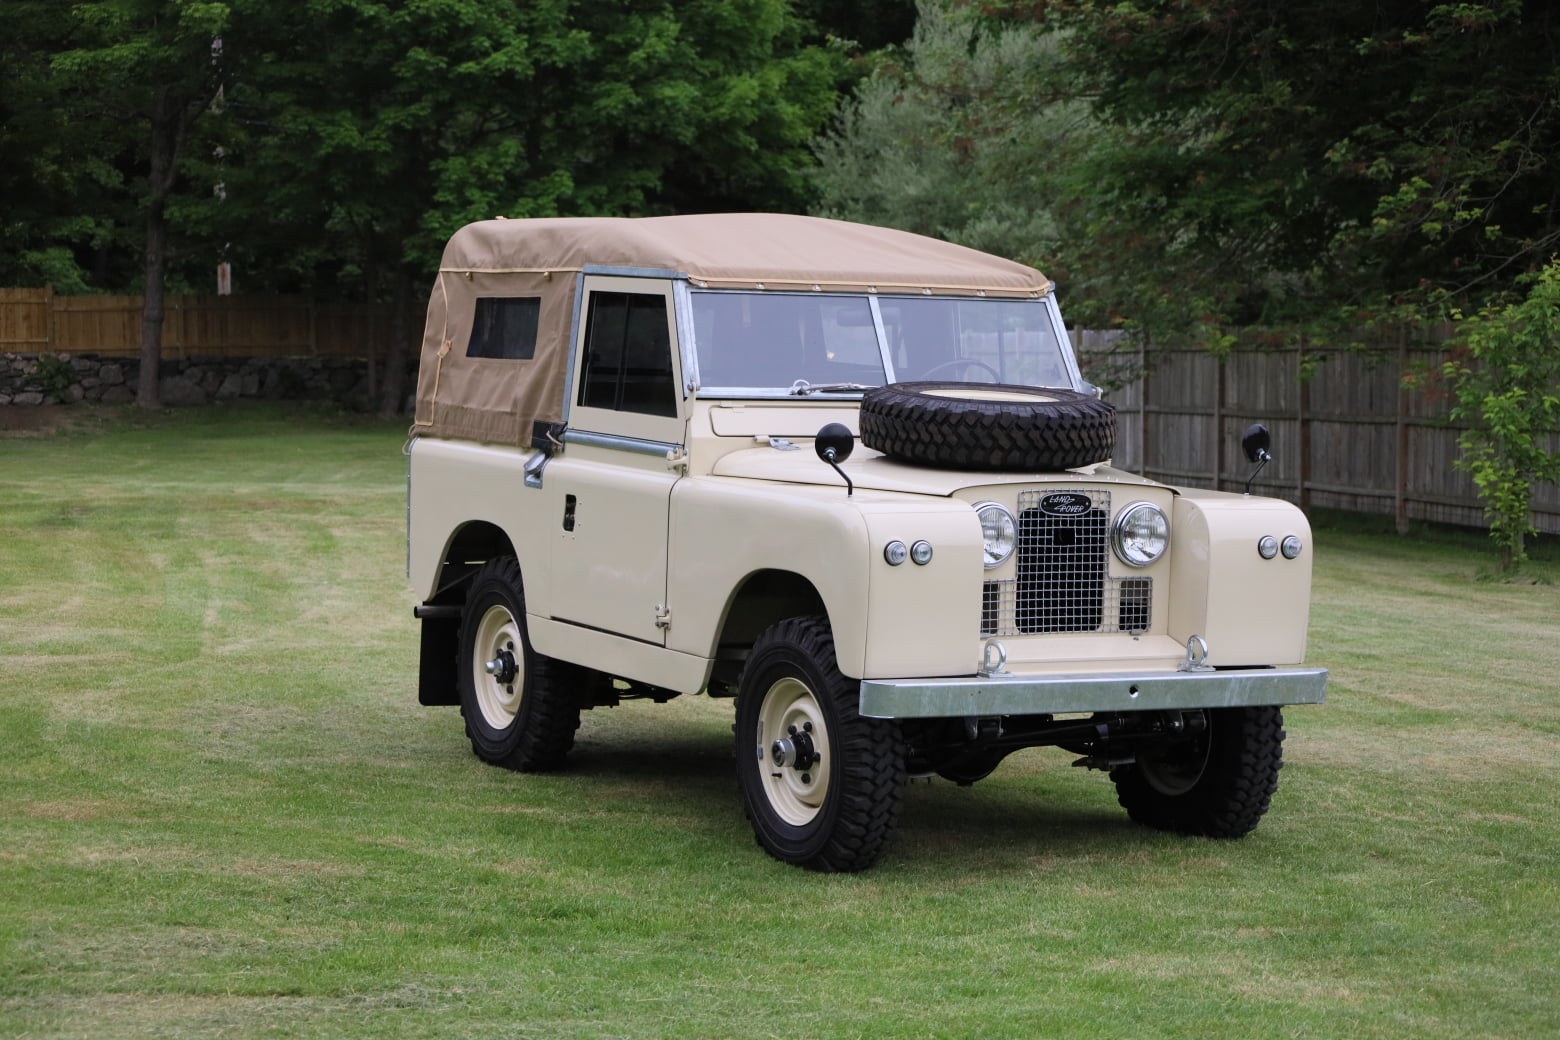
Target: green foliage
(54, 182)
(1315, 164)
(332, 145)
(53, 376)
(1507, 385)
(368, 130)
(959, 136)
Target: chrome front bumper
(1106, 691)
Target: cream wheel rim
(498, 667)
(792, 748)
(975, 393)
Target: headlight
(998, 532)
(1140, 534)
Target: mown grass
(224, 814)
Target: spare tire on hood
(987, 426)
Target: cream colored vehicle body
(662, 524)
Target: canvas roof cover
(497, 400)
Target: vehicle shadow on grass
(1021, 815)
(1019, 818)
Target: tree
(965, 134)
(1507, 385)
(1311, 163)
(46, 184)
(331, 146)
(371, 129)
(148, 69)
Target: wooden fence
(1350, 435)
(35, 321)
(1348, 431)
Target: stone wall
(33, 379)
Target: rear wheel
(517, 715)
(821, 784)
(1216, 783)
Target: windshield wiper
(801, 388)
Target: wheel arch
(467, 548)
(763, 598)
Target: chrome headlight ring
(998, 532)
(1141, 534)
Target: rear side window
(628, 355)
(505, 327)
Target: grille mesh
(1062, 584)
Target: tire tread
(543, 731)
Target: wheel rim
(973, 392)
(792, 748)
(499, 689)
(1176, 770)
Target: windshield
(800, 343)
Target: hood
(877, 472)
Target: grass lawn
(223, 813)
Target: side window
(505, 327)
(628, 355)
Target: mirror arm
(1263, 458)
(828, 455)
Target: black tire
(523, 717)
(834, 812)
(1217, 784)
(988, 426)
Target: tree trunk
(394, 383)
(146, 394)
(371, 295)
(167, 132)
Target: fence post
(1400, 463)
(181, 326)
(1218, 425)
(1143, 405)
(1303, 423)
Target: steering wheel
(996, 377)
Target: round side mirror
(1255, 442)
(835, 443)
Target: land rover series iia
(852, 478)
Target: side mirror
(834, 444)
(1255, 443)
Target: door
(611, 485)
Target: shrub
(1506, 382)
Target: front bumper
(1108, 691)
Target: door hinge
(663, 616)
(677, 459)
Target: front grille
(1062, 584)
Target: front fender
(887, 621)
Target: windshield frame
(693, 378)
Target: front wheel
(821, 784)
(1216, 783)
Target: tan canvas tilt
(497, 400)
